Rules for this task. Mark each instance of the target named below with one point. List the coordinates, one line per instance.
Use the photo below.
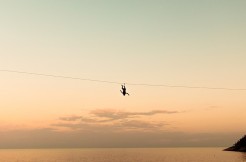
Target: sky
(178, 42)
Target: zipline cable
(133, 84)
(59, 76)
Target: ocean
(121, 155)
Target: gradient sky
(175, 42)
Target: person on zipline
(123, 87)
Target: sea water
(121, 155)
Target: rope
(133, 84)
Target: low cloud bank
(112, 128)
(49, 138)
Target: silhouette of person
(123, 91)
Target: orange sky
(159, 42)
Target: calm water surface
(121, 155)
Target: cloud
(99, 128)
(70, 118)
(107, 137)
(110, 114)
(115, 119)
(116, 114)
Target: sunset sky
(171, 42)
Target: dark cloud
(143, 125)
(123, 125)
(107, 137)
(74, 118)
(72, 126)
